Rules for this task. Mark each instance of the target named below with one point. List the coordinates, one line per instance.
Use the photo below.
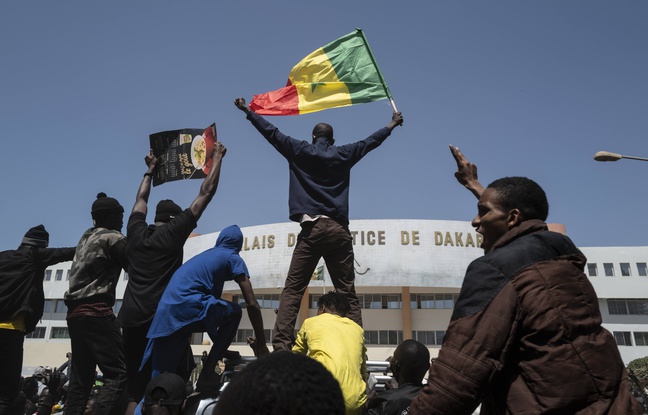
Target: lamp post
(608, 156)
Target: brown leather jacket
(526, 338)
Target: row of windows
(624, 338)
(56, 333)
(635, 306)
(368, 301)
(59, 307)
(371, 337)
(58, 275)
(626, 269)
(394, 301)
(429, 338)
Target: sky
(523, 88)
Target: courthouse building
(408, 277)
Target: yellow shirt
(338, 343)
(17, 323)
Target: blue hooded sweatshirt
(198, 284)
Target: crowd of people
(525, 335)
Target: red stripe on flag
(284, 101)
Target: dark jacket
(21, 281)
(526, 337)
(319, 173)
(393, 401)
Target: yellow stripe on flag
(317, 84)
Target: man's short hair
(323, 130)
(282, 383)
(335, 301)
(414, 360)
(165, 389)
(523, 194)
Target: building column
(407, 313)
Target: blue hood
(230, 238)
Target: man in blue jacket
(319, 200)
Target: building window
(625, 269)
(386, 337)
(125, 276)
(634, 306)
(439, 301)
(60, 307)
(59, 275)
(117, 306)
(47, 307)
(270, 301)
(38, 333)
(60, 333)
(641, 338)
(264, 300)
(430, 338)
(313, 299)
(196, 338)
(609, 269)
(48, 275)
(372, 301)
(67, 275)
(243, 334)
(642, 269)
(592, 270)
(623, 338)
(637, 306)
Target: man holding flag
(319, 201)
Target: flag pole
(373, 60)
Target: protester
(165, 395)
(94, 333)
(319, 200)
(155, 252)
(337, 343)
(191, 303)
(282, 383)
(409, 364)
(21, 302)
(525, 335)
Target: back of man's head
(36, 236)
(106, 210)
(165, 394)
(166, 210)
(282, 383)
(335, 303)
(523, 194)
(411, 362)
(323, 130)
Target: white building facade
(408, 277)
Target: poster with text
(183, 154)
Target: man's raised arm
(466, 173)
(210, 184)
(144, 190)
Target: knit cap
(36, 236)
(166, 210)
(105, 204)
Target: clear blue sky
(530, 88)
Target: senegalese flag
(342, 73)
(318, 275)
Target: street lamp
(608, 156)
